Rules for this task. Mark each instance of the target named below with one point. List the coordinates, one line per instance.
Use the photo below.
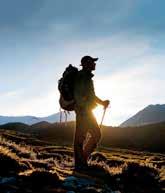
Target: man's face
(93, 65)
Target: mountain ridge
(149, 115)
(30, 120)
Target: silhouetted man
(85, 102)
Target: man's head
(87, 62)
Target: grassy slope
(41, 166)
(149, 137)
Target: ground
(30, 165)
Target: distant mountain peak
(30, 120)
(149, 115)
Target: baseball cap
(87, 59)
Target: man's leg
(78, 149)
(94, 138)
(79, 139)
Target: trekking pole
(60, 115)
(103, 117)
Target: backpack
(66, 88)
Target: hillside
(31, 165)
(148, 137)
(149, 115)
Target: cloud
(128, 63)
(133, 88)
(37, 106)
(9, 94)
(62, 19)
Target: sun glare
(98, 112)
(101, 91)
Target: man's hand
(106, 103)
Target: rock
(9, 165)
(9, 180)
(73, 183)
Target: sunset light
(99, 111)
(82, 96)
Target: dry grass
(37, 167)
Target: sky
(39, 38)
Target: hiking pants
(87, 136)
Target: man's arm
(101, 102)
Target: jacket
(84, 93)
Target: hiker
(85, 102)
